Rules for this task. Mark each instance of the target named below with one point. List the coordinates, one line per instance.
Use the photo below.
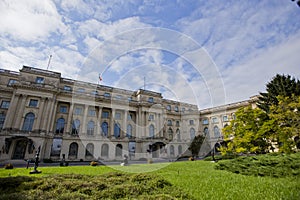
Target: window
(11, 82)
(80, 90)
(168, 107)
(39, 80)
(118, 97)
(215, 120)
(104, 150)
(5, 104)
(33, 103)
(75, 127)
(104, 127)
(172, 153)
(119, 148)
(129, 131)
(67, 88)
(89, 151)
(129, 98)
(177, 123)
(151, 130)
(117, 130)
(107, 95)
(192, 133)
(78, 111)
(170, 134)
(63, 109)
(92, 112)
(191, 122)
(233, 116)
(176, 109)
(183, 110)
(90, 128)
(225, 118)
(95, 92)
(216, 131)
(205, 131)
(2, 119)
(129, 117)
(60, 124)
(178, 134)
(169, 123)
(105, 114)
(28, 122)
(205, 121)
(150, 100)
(118, 116)
(151, 117)
(73, 150)
(179, 149)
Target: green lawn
(197, 179)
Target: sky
(203, 52)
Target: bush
(191, 158)
(94, 163)
(8, 166)
(150, 161)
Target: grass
(181, 180)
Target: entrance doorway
(20, 149)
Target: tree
(196, 144)
(243, 136)
(283, 125)
(283, 85)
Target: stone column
(84, 122)
(98, 130)
(52, 114)
(38, 124)
(112, 119)
(124, 124)
(20, 113)
(11, 112)
(46, 115)
(69, 120)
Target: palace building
(85, 121)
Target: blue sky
(197, 51)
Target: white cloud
(32, 20)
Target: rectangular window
(63, 109)
(225, 118)
(80, 90)
(39, 80)
(105, 114)
(151, 117)
(11, 82)
(129, 117)
(33, 103)
(2, 119)
(191, 122)
(215, 120)
(150, 100)
(176, 109)
(78, 111)
(177, 123)
(92, 112)
(5, 104)
(67, 88)
(205, 121)
(183, 110)
(106, 94)
(169, 122)
(118, 97)
(168, 107)
(118, 115)
(129, 98)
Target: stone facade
(86, 121)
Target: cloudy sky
(198, 51)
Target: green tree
(196, 144)
(242, 135)
(283, 85)
(283, 125)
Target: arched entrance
(20, 144)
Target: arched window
(216, 131)
(172, 153)
(2, 119)
(75, 127)
(179, 149)
(90, 128)
(170, 134)
(192, 133)
(129, 131)
(178, 134)
(104, 127)
(206, 131)
(73, 150)
(117, 130)
(151, 130)
(28, 122)
(119, 148)
(89, 151)
(60, 125)
(104, 150)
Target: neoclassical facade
(85, 121)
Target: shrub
(191, 158)
(8, 166)
(150, 161)
(94, 163)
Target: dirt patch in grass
(73, 186)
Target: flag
(100, 78)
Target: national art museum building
(85, 121)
